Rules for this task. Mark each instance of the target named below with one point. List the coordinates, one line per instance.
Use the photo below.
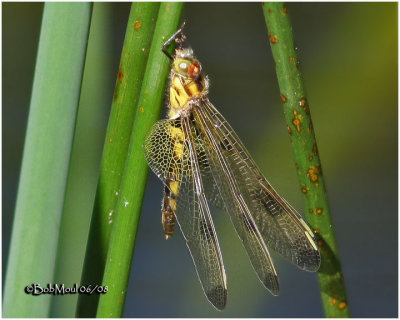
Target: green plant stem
(127, 213)
(85, 160)
(45, 163)
(305, 151)
(135, 52)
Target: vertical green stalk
(55, 95)
(135, 52)
(305, 151)
(85, 160)
(127, 212)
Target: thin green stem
(135, 52)
(305, 151)
(127, 213)
(45, 163)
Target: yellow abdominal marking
(178, 136)
(179, 96)
(174, 186)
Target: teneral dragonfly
(201, 160)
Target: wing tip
(309, 261)
(271, 282)
(218, 296)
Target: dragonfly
(201, 161)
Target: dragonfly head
(185, 65)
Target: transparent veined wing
(236, 203)
(167, 150)
(212, 193)
(281, 227)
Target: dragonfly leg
(174, 37)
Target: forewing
(192, 211)
(161, 154)
(160, 149)
(282, 228)
(236, 205)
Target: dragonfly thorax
(185, 92)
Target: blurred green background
(348, 54)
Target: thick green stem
(135, 52)
(305, 151)
(127, 212)
(85, 160)
(45, 163)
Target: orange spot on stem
(273, 39)
(137, 25)
(313, 174)
(304, 105)
(297, 121)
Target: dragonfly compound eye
(186, 68)
(194, 70)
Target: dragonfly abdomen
(168, 212)
(171, 189)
